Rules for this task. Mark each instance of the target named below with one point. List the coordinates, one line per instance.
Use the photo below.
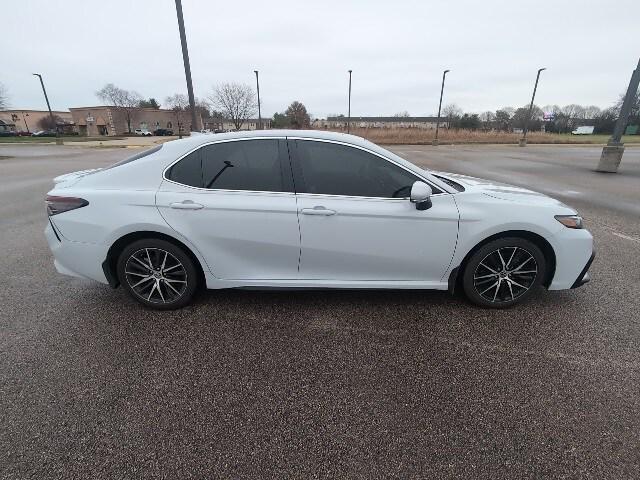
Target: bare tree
(592, 111)
(451, 112)
(236, 100)
(124, 100)
(404, 114)
(179, 103)
(4, 97)
(488, 119)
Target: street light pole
(187, 66)
(53, 121)
(523, 140)
(258, 88)
(349, 111)
(612, 152)
(444, 74)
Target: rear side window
(187, 171)
(244, 165)
(241, 165)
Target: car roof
(199, 139)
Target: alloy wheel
(156, 275)
(505, 274)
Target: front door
(234, 201)
(356, 222)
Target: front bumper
(584, 274)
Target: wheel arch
(109, 266)
(538, 240)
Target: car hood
(502, 191)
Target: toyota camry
(306, 209)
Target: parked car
(140, 131)
(44, 133)
(161, 132)
(7, 133)
(306, 209)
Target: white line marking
(626, 237)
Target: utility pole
(349, 111)
(435, 141)
(187, 67)
(523, 140)
(612, 152)
(53, 120)
(258, 88)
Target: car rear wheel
(157, 274)
(504, 272)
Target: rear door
(234, 201)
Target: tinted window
(333, 169)
(243, 165)
(137, 156)
(187, 171)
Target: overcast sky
(397, 50)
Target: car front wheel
(504, 272)
(157, 274)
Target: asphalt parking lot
(323, 384)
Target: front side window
(333, 169)
(241, 165)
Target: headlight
(570, 221)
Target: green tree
(151, 103)
(502, 120)
(280, 120)
(297, 115)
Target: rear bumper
(75, 258)
(584, 277)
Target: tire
(170, 284)
(504, 272)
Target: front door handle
(186, 205)
(319, 210)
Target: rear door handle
(319, 210)
(186, 205)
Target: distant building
(227, 125)
(381, 122)
(28, 120)
(109, 121)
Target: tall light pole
(53, 120)
(613, 150)
(523, 140)
(187, 67)
(258, 88)
(444, 74)
(349, 110)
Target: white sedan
(290, 209)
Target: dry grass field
(417, 136)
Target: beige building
(29, 120)
(229, 126)
(109, 121)
(381, 122)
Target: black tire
(165, 288)
(496, 273)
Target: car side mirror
(421, 195)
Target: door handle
(319, 210)
(186, 205)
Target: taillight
(56, 205)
